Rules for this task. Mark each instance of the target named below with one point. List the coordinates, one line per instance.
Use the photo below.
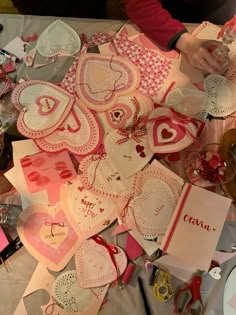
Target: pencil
(145, 302)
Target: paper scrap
(132, 247)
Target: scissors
(188, 300)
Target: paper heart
(139, 148)
(215, 273)
(68, 293)
(83, 209)
(169, 133)
(80, 133)
(58, 39)
(94, 265)
(124, 156)
(99, 176)
(101, 79)
(42, 105)
(47, 235)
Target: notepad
(196, 225)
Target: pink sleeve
(155, 21)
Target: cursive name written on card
(158, 209)
(88, 204)
(198, 223)
(59, 234)
(111, 177)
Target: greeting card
(47, 235)
(87, 213)
(195, 226)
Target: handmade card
(47, 235)
(195, 226)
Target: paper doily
(100, 79)
(43, 106)
(72, 298)
(169, 132)
(100, 177)
(88, 213)
(153, 68)
(96, 264)
(80, 133)
(58, 39)
(47, 235)
(221, 96)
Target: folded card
(195, 226)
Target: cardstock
(16, 47)
(98, 265)
(149, 247)
(230, 294)
(3, 240)
(47, 235)
(132, 247)
(42, 105)
(101, 79)
(193, 222)
(87, 213)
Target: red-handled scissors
(188, 300)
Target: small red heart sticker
(166, 134)
(139, 148)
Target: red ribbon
(52, 224)
(49, 310)
(112, 250)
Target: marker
(9, 55)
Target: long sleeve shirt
(155, 21)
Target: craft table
(22, 264)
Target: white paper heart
(94, 265)
(43, 106)
(215, 273)
(101, 79)
(58, 39)
(72, 298)
(87, 213)
(128, 157)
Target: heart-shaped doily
(98, 263)
(100, 177)
(58, 39)
(72, 298)
(127, 155)
(47, 235)
(221, 96)
(80, 133)
(42, 105)
(101, 79)
(122, 113)
(88, 213)
(169, 131)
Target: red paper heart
(166, 134)
(142, 154)
(81, 188)
(139, 148)
(101, 209)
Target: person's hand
(197, 53)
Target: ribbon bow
(112, 250)
(52, 224)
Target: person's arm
(155, 21)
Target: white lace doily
(70, 296)
(58, 39)
(221, 96)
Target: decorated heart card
(98, 263)
(80, 133)
(121, 115)
(100, 177)
(169, 131)
(48, 171)
(88, 213)
(47, 235)
(42, 105)
(73, 298)
(101, 79)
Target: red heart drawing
(101, 209)
(139, 148)
(81, 188)
(142, 154)
(166, 134)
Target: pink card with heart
(48, 171)
(169, 131)
(121, 115)
(100, 177)
(47, 235)
(88, 213)
(80, 133)
(42, 105)
(98, 263)
(101, 79)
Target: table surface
(22, 264)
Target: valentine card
(195, 226)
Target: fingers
(206, 62)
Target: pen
(145, 302)
(9, 55)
